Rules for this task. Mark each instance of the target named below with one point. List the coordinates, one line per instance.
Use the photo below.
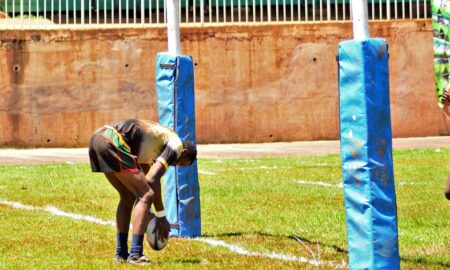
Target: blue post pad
(176, 110)
(366, 153)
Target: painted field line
(57, 212)
(271, 255)
(234, 248)
(325, 184)
(206, 172)
(412, 184)
(318, 183)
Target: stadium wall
(253, 83)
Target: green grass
(257, 204)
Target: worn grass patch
(290, 207)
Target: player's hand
(163, 227)
(446, 98)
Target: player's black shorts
(108, 152)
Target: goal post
(366, 148)
(176, 110)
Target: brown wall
(253, 83)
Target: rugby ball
(153, 238)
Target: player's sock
(137, 242)
(122, 245)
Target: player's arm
(168, 155)
(154, 180)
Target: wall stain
(17, 58)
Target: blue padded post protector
(366, 153)
(176, 110)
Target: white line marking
(234, 248)
(19, 205)
(57, 212)
(324, 184)
(271, 255)
(278, 167)
(206, 172)
(267, 167)
(318, 183)
(254, 168)
(411, 184)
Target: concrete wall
(253, 83)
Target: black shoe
(120, 259)
(138, 260)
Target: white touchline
(234, 248)
(324, 184)
(410, 183)
(317, 183)
(206, 172)
(271, 255)
(57, 212)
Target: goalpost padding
(176, 110)
(366, 153)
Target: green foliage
(257, 204)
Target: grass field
(254, 206)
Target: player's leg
(126, 203)
(447, 188)
(138, 186)
(109, 155)
(123, 216)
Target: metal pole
(173, 27)
(360, 21)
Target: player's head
(188, 155)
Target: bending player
(125, 151)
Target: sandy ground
(281, 149)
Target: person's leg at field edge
(447, 188)
(136, 185)
(446, 102)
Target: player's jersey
(150, 141)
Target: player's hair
(191, 150)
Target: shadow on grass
(426, 264)
(418, 262)
(237, 234)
